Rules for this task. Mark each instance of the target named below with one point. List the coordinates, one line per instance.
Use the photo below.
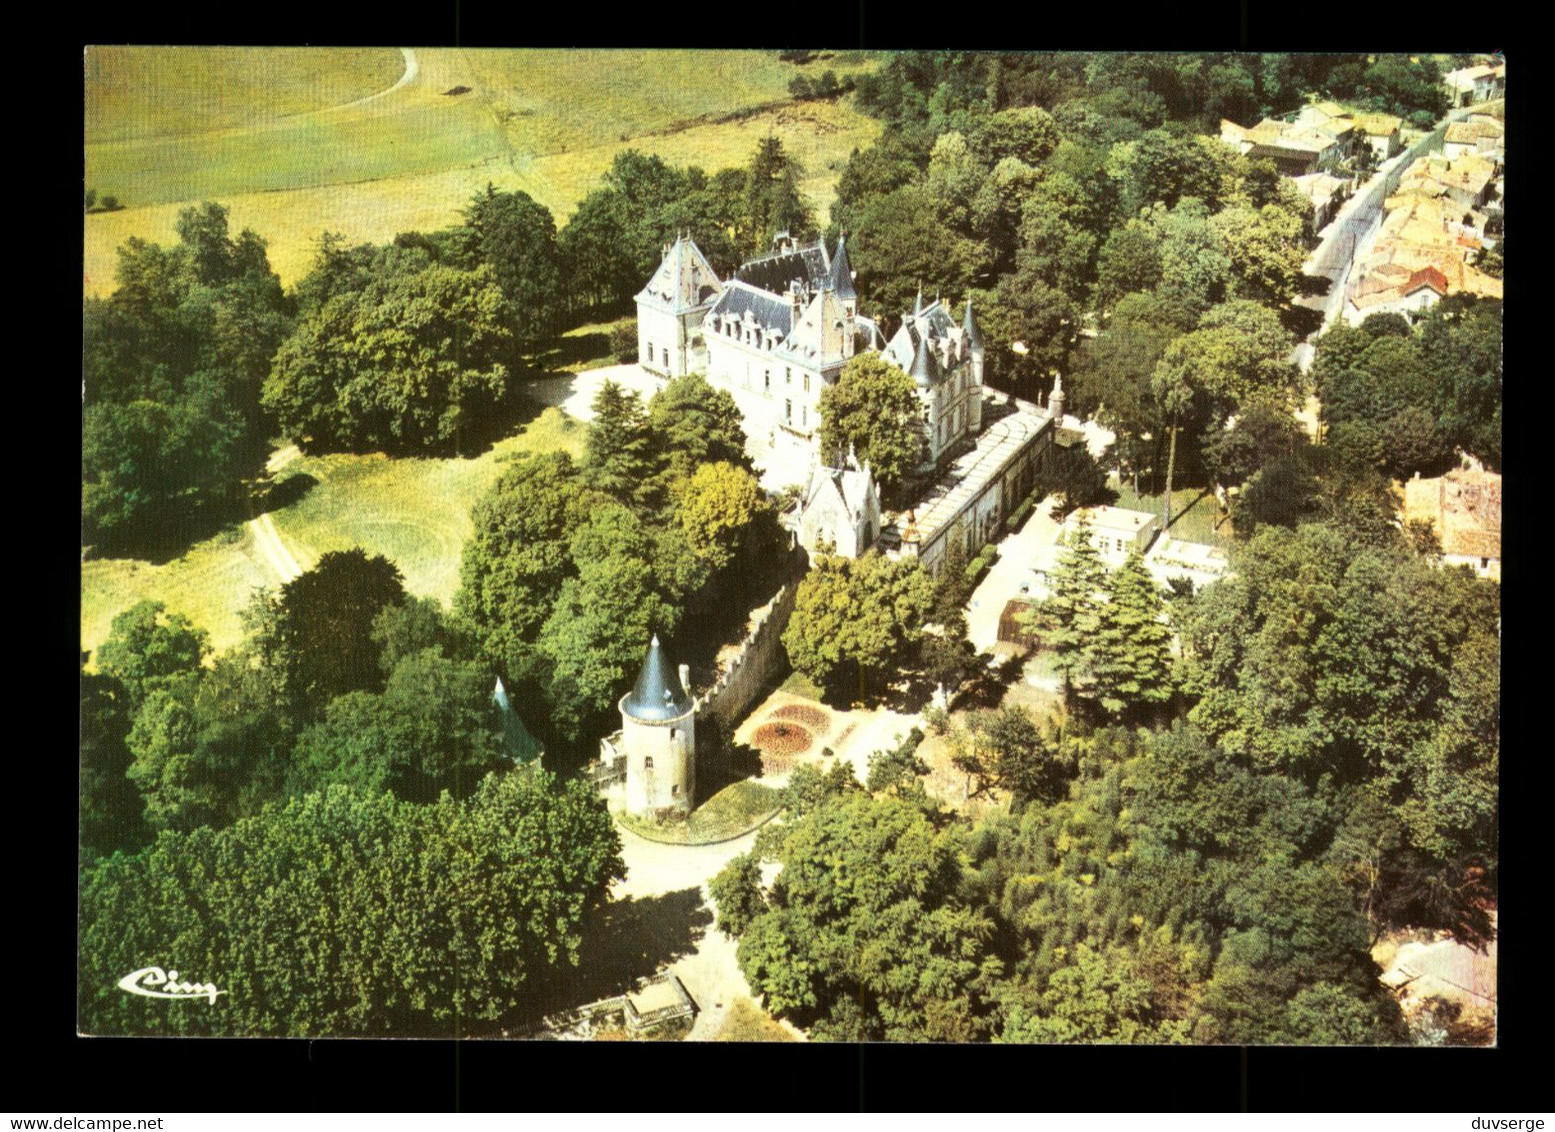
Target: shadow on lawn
(283, 493)
(168, 533)
(724, 764)
(567, 353)
(987, 684)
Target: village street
(1346, 237)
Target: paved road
(1017, 551)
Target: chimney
(685, 678)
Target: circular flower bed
(781, 738)
(778, 742)
(814, 718)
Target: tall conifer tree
(1071, 615)
(1132, 649)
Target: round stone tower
(658, 733)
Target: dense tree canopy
(517, 557)
(430, 730)
(173, 362)
(147, 648)
(324, 625)
(852, 616)
(864, 935)
(458, 912)
(1322, 657)
(1401, 398)
(516, 238)
(406, 359)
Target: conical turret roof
(658, 693)
(520, 745)
(925, 369)
(974, 333)
(842, 272)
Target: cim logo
(153, 982)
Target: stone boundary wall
(760, 657)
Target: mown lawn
(414, 511)
(732, 811)
(302, 152)
(799, 684)
(1194, 512)
(583, 347)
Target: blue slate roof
(841, 280)
(519, 745)
(925, 369)
(768, 310)
(658, 694)
(974, 333)
(774, 272)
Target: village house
(1293, 148)
(1383, 132)
(1480, 135)
(1327, 194)
(1331, 120)
(1464, 509)
(1469, 85)
(1466, 180)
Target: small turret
(658, 693)
(974, 333)
(842, 274)
(925, 370)
(1055, 403)
(974, 340)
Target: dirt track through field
(412, 69)
(272, 549)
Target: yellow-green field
(415, 511)
(145, 92)
(281, 138)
